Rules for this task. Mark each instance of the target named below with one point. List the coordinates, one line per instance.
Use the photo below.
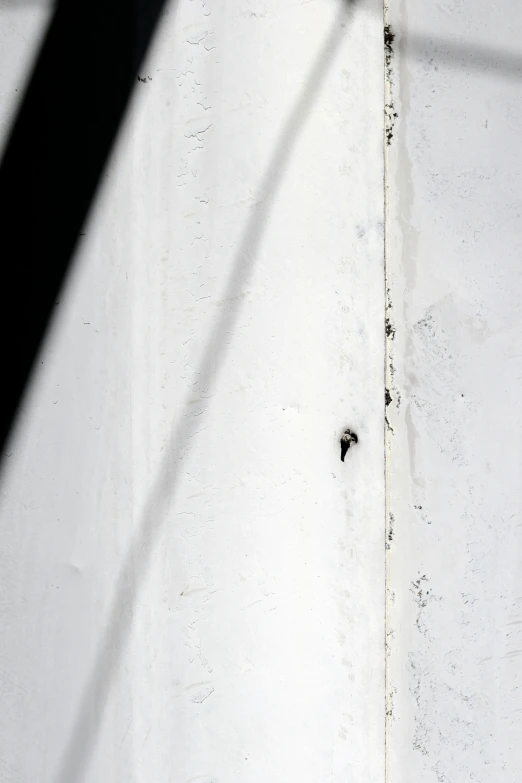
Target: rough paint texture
(454, 178)
(191, 582)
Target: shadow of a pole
(54, 159)
(138, 558)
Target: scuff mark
(203, 695)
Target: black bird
(347, 438)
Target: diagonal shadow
(60, 144)
(54, 159)
(137, 561)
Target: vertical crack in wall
(390, 116)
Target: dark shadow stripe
(153, 518)
(56, 154)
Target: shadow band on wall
(137, 561)
(54, 159)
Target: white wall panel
(454, 455)
(192, 583)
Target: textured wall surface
(301, 228)
(192, 583)
(454, 455)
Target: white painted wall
(192, 583)
(454, 458)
